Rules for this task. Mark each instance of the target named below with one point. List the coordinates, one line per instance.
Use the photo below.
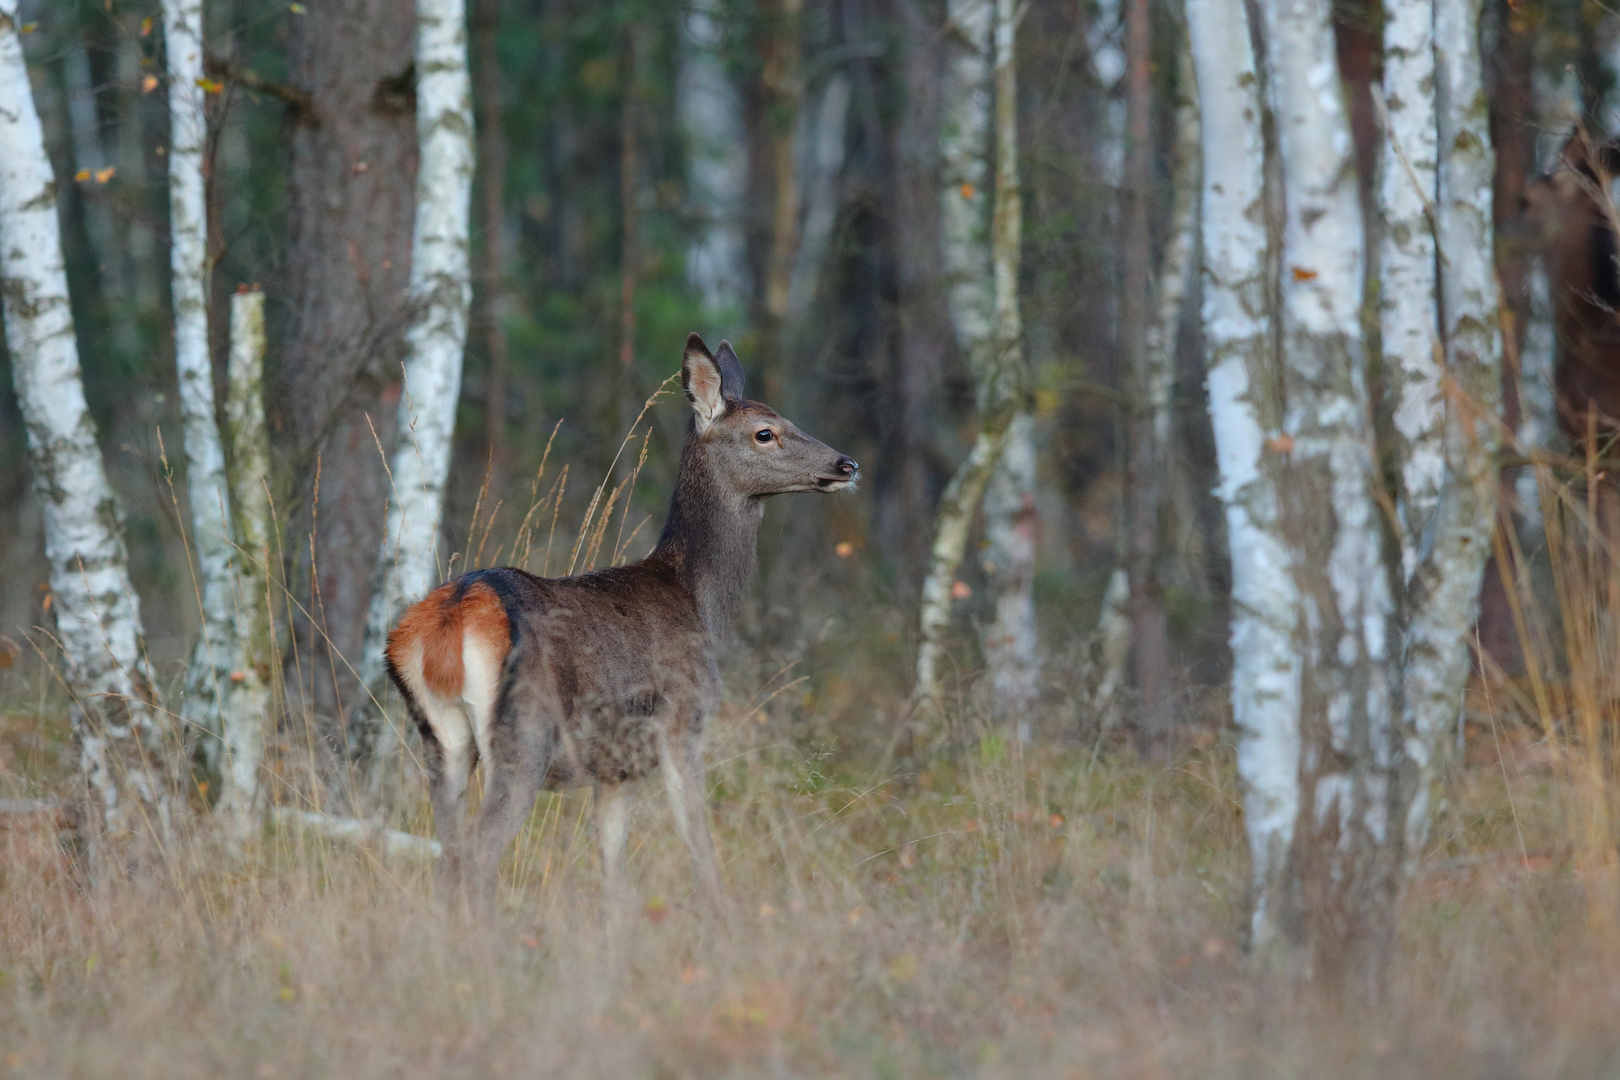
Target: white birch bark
(1010, 643)
(1346, 852)
(1445, 594)
(1245, 412)
(709, 106)
(1538, 397)
(826, 162)
(965, 203)
(1108, 65)
(213, 659)
(125, 754)
(245, 710)
(1408, 304)
(441, 291)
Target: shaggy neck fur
(711, 539)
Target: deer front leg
(682, 765)
(613, 804)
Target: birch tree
(441, 291)
(208, 679)
(1245, 407)
(126, 755)
(1011, 648)
(1347, 863)
(1150, 644)
(979, 298)
(1444, 600)
(710, 111)
(245, 710)
(1409, 312)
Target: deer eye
(764, 435)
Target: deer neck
(711, 538)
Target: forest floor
(1063, 911)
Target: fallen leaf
(968, 191)
(148, 84)
(297, 9)
(104, 175)
(146, 26)
(844, 549)
(82, 174)
(1302, 274)
(29, 27)
(210, 86)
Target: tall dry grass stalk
(1053, 910)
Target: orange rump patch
(440, 623)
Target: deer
(605, 677)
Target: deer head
(750, 449)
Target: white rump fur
(459, 722)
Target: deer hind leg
(522, 737)
(449, 766)
(613, 804)
(447, 754)
(682, 764)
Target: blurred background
(764, 172)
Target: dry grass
(1063, 910)
(1066, 912)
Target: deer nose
(848, 466)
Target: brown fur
(602, 678)
(438, 624)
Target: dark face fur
(750, 448)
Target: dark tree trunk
(1513, 133)
(919, 469)
(491, 200)
(350, 209)
(1149, 631)
(629, 251)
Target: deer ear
(701, 377)
(731, 372)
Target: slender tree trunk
(90, 161)
(1409, 311)
(441, 292)
(965, 198)
(1150, 632)
(824, 162)
(1011, 647)
(1246, 412)
(1445, 592)
(1538, 393)
(923, 320)
(1346, 861)
(135, 237)
(127, 758)
(349, 186)
(784, 88)
(710, 110)
(629, 397)
(492, 196)
(246, 708)
(1178, 499)
(208, 679)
